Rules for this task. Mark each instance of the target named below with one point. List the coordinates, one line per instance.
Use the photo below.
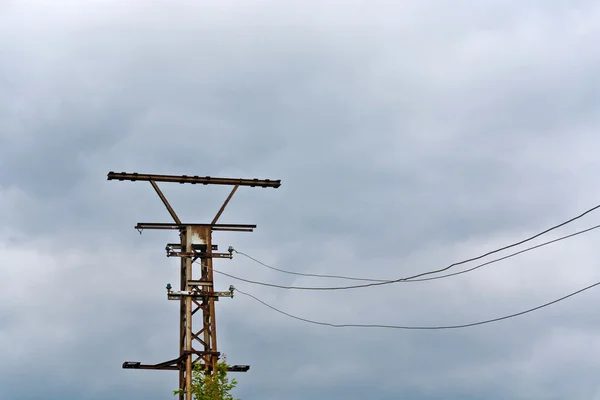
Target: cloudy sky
(407, 135)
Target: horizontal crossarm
(203, 180)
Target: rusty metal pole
(188, 316)
(184, 328)
(196, 241)
(208, 332)
(194, 295)
(210, 322)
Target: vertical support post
(197, 239)
(189, 238)
(209, 328)
(210, 320)
(184, 328)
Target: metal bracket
(198, 294)
(173, 365)
(196, 254)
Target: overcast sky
(407, 135)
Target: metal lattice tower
(196, 346)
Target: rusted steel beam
(198, 254)
(155, 367)
(214, 221)
(168, 365)
(234, 229)
(184, 318)
(204, 180)
(198, 295)
(173, 365)
(216, 227)
(165, 202)
(178, 246)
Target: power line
(418, 327)
(486, 254)
(409, 279)
(422, 279)
(306, 274)
(460, 262)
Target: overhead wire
(417, 279)
(305, 274)
(464, 261)
(409, 279)
(442, 327)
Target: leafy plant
(207, 386)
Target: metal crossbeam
(173, 365)
(215, 227)
(204, 180)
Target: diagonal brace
(214, 221)
(165, 202)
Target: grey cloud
(406, 137)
